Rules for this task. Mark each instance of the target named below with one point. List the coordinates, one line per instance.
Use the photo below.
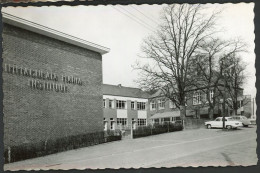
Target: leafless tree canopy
(184, 42)
(235, 78)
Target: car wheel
(209, 126)
(229, 127)
(245, 125)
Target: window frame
(211, 95)
(123, 121)
(161, 103)
(110, 104)
(196, 98)
(141, 122)
(132, 105)
(153, 105)
(172, 105)
(141, 106)
(104, 103)
(120, 104)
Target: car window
(230, 119)
(218, 119)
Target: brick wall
(32, 115)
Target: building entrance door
(134, 124)
(105, 125)
(112, 125)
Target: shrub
(143, 131)
(32, 150)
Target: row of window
(166, 119)
(122, 122)
(197, 97)
(161, 104)
(121, 104)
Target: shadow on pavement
(227, 158)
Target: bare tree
(210, 69)
(171, 50)
(235, 78)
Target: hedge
(155, 129)
(32, 150)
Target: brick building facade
(123, 106)
(51, 83)
(120, 107)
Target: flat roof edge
(40, 29)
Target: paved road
(201, 147)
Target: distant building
(162, 110)
(247, 106)
(123, 106)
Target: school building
(52, 83)
(125, 105)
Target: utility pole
(224, 103)
(224, 95)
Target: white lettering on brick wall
(41, 75)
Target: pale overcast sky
(116, 27)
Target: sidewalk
(170, 149)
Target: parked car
(253, 121)
(230, 123)
(242, 119)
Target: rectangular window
(174, 119)
(104, 103)
(240, 104)
(112, 124)
(156, 121)
(211, 95)
(166, 119)
(132, 105)
(196, 98)
(110, 103)
(121, 122)
(105, 124)
(172, 105)
(120, 104)
(153, 105)
(161, 103)
(141, 122)
(140, 105)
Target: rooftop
(119, 90)
(43, 30)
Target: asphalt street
(200, 147)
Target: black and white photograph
(129, 86)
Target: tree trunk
(234, 112)
(183, 112)
(211, 113)
(183, 115)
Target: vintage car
(242, 119)
(230, 123)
